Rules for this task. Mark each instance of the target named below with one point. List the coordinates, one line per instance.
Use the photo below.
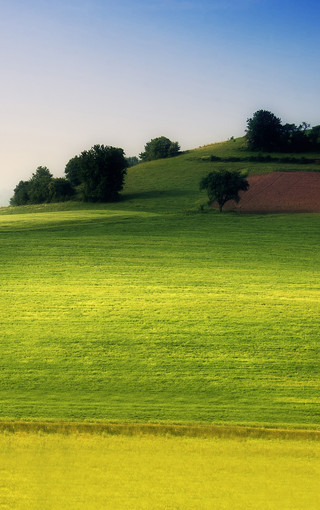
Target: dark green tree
(39, 185)
(159, 148)
(98, 174)
(132, 161)
(314, 137)
(295, 138)
(42, 187)
(20, 194)
(60, 189)
(264, 132)
(73, 171)
(222, 186)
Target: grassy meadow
(150, 311)
(110, 313)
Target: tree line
(265, 132)
(97, 175)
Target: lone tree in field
(222, 186)
(159, 148)
(98, 174)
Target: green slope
(141, 311)
(173, 184)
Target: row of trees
(96, 175)
(265, 132)
(42, 187)
(95, 185)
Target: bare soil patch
(280, 192)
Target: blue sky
(120, 72)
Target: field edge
(240, 431)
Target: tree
(39, 185)
(314, 137)
(159, 148)
(132, 161)
(98, 174)
(60, 189)
(73, 171)
(264, 131)
(20, 194)
(222, 186)
(295, 138)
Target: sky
(75, 73)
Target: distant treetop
(266, 133)
(159, 148)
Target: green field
(114, 314)
(82, 471)
(147, 319)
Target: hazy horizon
(118, 72)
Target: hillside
(136, 311)
(173, 184)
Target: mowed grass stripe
(120, 317)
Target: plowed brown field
(280, 192)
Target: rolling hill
(156, 353)
(147, 310)
(173, 184)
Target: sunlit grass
(118, 315)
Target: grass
(173, 354)
(95, 471)
(136, 316)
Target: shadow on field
(154, 194)
(159, 429)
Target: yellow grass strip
(93, 472)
